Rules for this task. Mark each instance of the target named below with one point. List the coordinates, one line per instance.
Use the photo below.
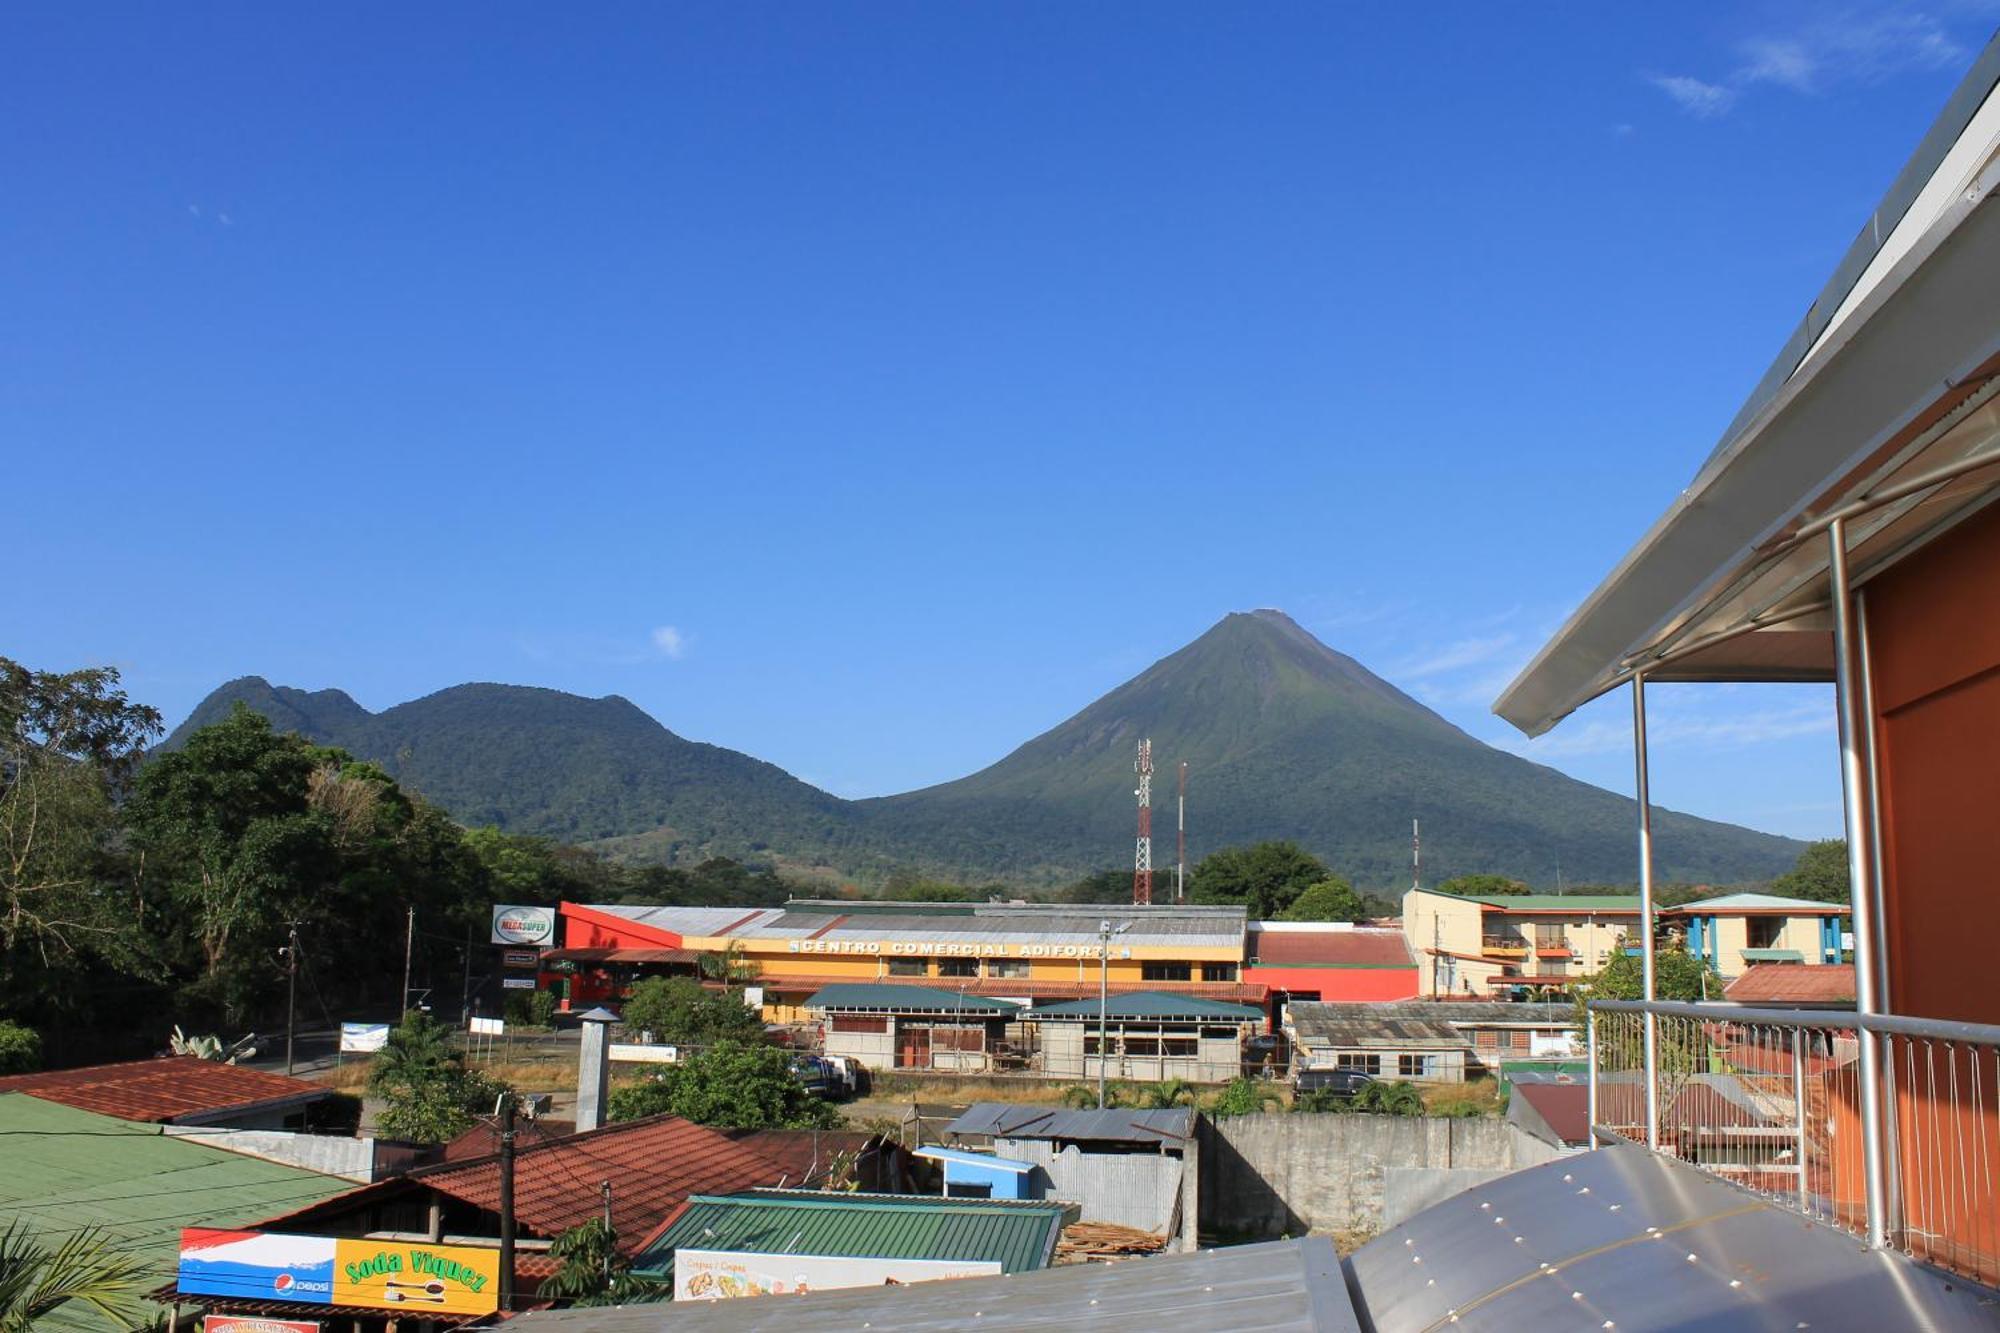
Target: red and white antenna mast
(1142, 856)
(1416, 855)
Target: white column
(1647, 924)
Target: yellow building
(1738, 930)
(1507, 944)
(1008, 951)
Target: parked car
(818, 1075)
(1340, 1082)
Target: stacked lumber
(1087, 1242)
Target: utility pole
(1416, 855)
(465, 992)
(1180, 840)
(409, 948)
(291, 989)
(1103, 1003)
(610, 1236)
(506, 1199)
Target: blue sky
(868, 387)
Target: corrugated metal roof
(1758, 902)
(1173, 1126)
(1580, 903)
(1414, 1022)
(1363, 946)
(905, 999)
(67, 1169)
(948, 923)
(1150, 1004)
(1291, 1286)
(1019, 1236)
(1794, 983)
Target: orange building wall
(1934, 627)
(1335, 984)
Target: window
(1764, 931)
(1184, 1048)
(1417, 1066)
(859, 1023)
(909, 967)
(1165, 971)
(1142, 1046)
(1367, 1064)
(1006, 967)
(958, 967)
(1486, 1039)
(1218, 971)
(958, 1039)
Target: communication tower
(1142, 856)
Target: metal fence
(1772, 1100)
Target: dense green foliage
(431, 1096)
(1265, 879)
(1329, 899)
(20, 1048)
(1482, 886)
(1677, 975)
(731, 1085)
(530, 1008)
(1398, 1098)
(1820, 874)
(1284, 738)
(680, 1011)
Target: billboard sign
(236, 1323)
(325, 1270)
(363, 1038)
(713, 1275)
(524, 925)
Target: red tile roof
(1793, 983)
(803, 1157)
(165, 1091)
(1361, 947)
(652, 1164)
(1564, 1106)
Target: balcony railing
(1772, 1100)
(1508, 946)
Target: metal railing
(1771, 1100)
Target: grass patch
(1470, 1100)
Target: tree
(432, 1097)
(88, 1267)
(20, 1048)
(906, 887)
(682, 1012)
(731, 1085)
(69, 742)
(1482, 886)
(1264, 878)
(1244, 1096)
(1332, 899)
(1677, 975)
(591, 1270)
(1820, 874)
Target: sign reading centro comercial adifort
(326, 1270)
(524, 925)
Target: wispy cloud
(1694, 96)
(1455, 657)
(670, 643)
(1691, 728)
(1854, 45)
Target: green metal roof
(67, 1169)
(1020, 1236)
(1151, 1004)
(904, 999)
(1773, 956)
(1562, 902)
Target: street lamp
(1105, 931)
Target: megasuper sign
(524, 925)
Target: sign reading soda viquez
(524, 925)
(326, 1270)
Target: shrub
(20, 1048)
(530, 1008)
(1243, 1096)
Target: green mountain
(1284, 738)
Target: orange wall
(1934, 625)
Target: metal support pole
(1878, 890)
(1647, 925)
(1103, 1002)
(1860, 867)
(1799, 1113)
(291, 990)
(409, 952)
(1590, 1055)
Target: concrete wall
(353, 1159)
(1132, 1189)
(1275, 1175)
